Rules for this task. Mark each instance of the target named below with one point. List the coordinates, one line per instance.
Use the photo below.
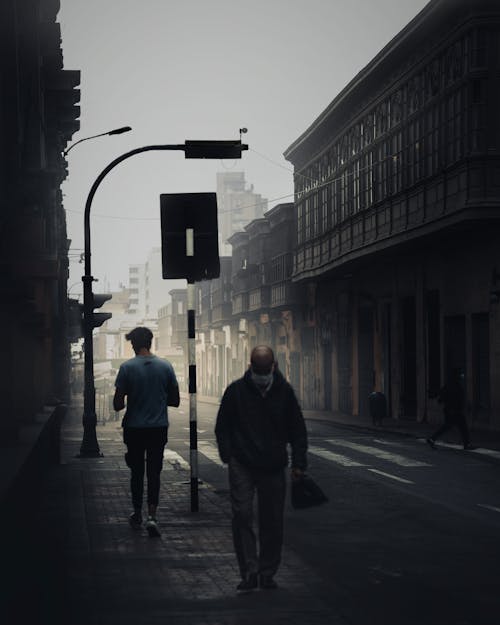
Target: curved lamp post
(192, 149)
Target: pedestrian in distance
(150, 385)
(258, 416)
(452, 396)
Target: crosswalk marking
(173, 458)
(492, 453)
(485, 505)
(393, 477)
(338, 458)
(379, 453)
(209, 450)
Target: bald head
(262, 359)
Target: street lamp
(192, 149)
(116, 131)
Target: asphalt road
(410, 536)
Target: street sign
(189, 242)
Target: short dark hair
(140, 337)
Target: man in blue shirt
(150, 385)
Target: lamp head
(119, 131)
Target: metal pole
(90, 447)
(193, 429)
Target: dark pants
(270, 487)
(146, 443)
(450, 421)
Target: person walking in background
(150, 385)
(452, 396)
(258, 415)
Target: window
(397, 162)
(454, 109)
(300, 223)
(315, 230)
(325, 210)
(432, 140)
(307, 219)
(414, 151)
(368, 179)
(356, 199)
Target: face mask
(262, 380)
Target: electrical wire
(318, 185)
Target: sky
(199, 69)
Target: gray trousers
(270, 488)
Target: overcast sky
(200, 69)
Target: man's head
(140, 338)
(262, 360)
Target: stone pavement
(79, 562)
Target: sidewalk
(79, 562)
(481, 437)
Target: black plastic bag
(306, 493)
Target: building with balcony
(264, 300)
(397, 222)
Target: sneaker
(469, 447)
(248, 584)
(135, 520)
(431, 442)
(267, 582)
(152, 527)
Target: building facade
(397, 208)
(38, 117)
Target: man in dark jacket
(452, 396)
(258, 415)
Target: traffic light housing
(98, 300)
(75, 320)
(181, 212)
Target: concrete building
(237, 206)
(397, 220)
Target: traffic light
(98, 299)
(195, 212)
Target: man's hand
(297, 473)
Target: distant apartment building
(237, 206)
(137, 294)
(148, 290)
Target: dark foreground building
(37, 119)
(397, 217)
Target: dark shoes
(248, 584)
(469, 447)
(135, 520)
(431, 442)
(266, 582)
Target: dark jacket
(256, 429)
(452, 397)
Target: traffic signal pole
(90, 447)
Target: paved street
(409, 536)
